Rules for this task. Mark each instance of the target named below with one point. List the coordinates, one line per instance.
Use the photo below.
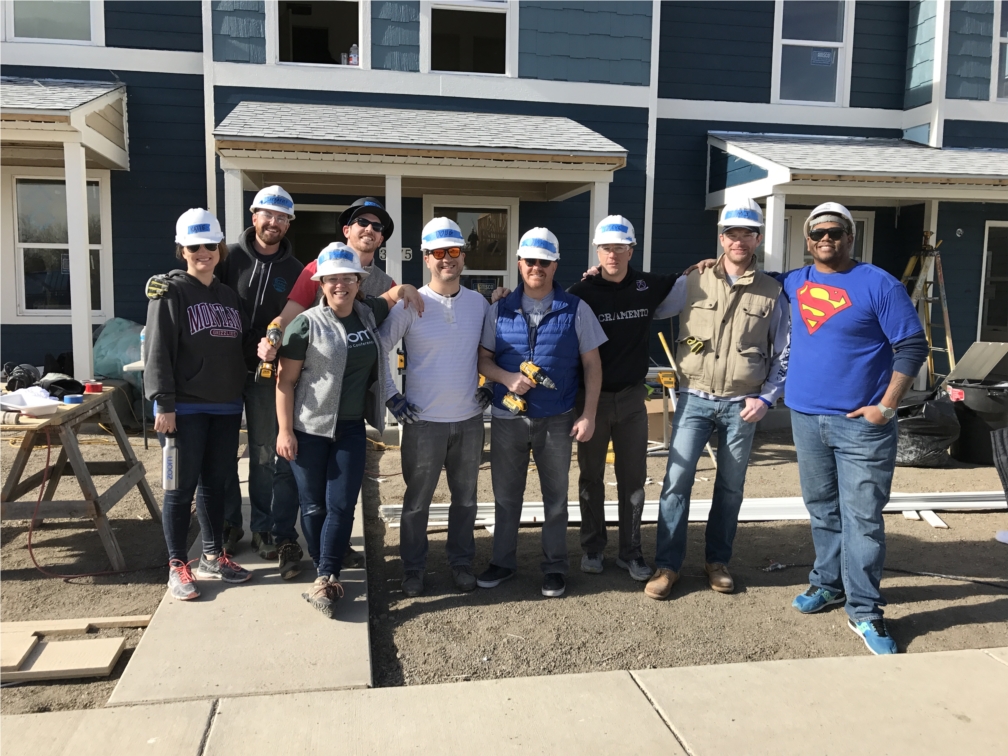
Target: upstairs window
(327, 33)
(53, 20)
(469, 37)
(810, 49)
(1001, 83)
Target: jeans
(208, 452)
(549, 440)
(846, 469)
(285, 502)
(261, 424)
(695, 419)
(426, 447)
(329, 473)
(621, 416)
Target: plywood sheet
(14, 649)
(61, 660)
(74, 626)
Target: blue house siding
(31, 343)
(990, 135)
(604, 42)
(239, 31)
(920, 53)
(716, 51)
(395, 35)
(878, 65)
(971, 34)
(155, 25)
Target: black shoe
(412, 583)
(353, 558)
(554, 585)
(494, 576)
(232, 536)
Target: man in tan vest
(734, 332)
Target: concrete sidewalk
(949, 702)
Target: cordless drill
(516, 404)
(267, 370)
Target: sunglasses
(534, 261)
(438, 254)
(364, 223)
(194, 248)
(817, 234)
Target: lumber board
(61, 660)
(932, 519)
(48, 510)
(14, 649)
(74, 626)
(119, 489)
(911, 514)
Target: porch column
(80, 262)
(599, 209)
(234, 212)
(393, 253)
(774, 243)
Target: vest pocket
(698, 323)
(750, 366)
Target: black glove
(403, 411)
(484, 396)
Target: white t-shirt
(441, 352)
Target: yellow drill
(267, 370)
(516, 404)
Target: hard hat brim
(531, 253)
(335, 270)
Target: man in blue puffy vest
(539, 323)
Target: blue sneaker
(875, 636)
(816, 599)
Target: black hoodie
(198, 344)
(261, 281)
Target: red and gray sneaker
(222, 568)
(181, 582)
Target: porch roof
(20, 95)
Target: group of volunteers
(839, 340)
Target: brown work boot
(660, 586)
(719, 578)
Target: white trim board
(52, 54)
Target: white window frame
(796, 246)
(983, 271)
(431, 201)
(12, 310)
(97, 28)
(363, 39)
(510, 9)
(844, 58)
(995, 57)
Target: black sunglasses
(364, 223)
(818, 233)
(438, 254)
(534, 261)
(194, 248)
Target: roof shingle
(50, 94)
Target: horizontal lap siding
(239, 31)
(395, 35)
(991, 135)
(30, 343)
(154, 25)
(878, 65)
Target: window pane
(813, 19)
(52, 19)
(1002, 80)
(468, 41)
(47, 279)
(859, 231)
(93, 213)
(318, 32)
(808, 73)
(1004, 18)
(41, 211)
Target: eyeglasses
(194, 248)
(614, 249)
(280, 220)
(737, 234)
(364, 223)
(438, 254)
(817, 234)
(535, 261)
(344, 280)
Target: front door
(994, 312)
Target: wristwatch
(887, 412)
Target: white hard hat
(741, 214)
(614, 229)
(338, 258)
(197, 226)
(539, 243)
(835, 209)
(273, 198)
(441, 233)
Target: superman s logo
(817, 303)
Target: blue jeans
(846, 469)
(261, 424)
(329, 473)
(207, 454)
(695, 419)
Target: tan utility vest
(733, 322)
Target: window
(811, 39)
(73, 21)
(993, 324)
(327, 33)
(469, 37)
(1000, 84)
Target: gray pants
(622, 417)
(549, 440)
(426, 447)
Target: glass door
(994, 310)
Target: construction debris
(63, 660)
(72, 626)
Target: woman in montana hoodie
(198, 348)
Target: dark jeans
(622, 417)
(426, 447)
(846, 469)
(285, 502)
(329, 473)
(208, 451)
(549, 441)
(261, 424)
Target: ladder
(928, 260)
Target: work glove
(484, 395)
(402, 410)
(157, 287)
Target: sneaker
(493, 576)
(592, 564)
(638, 569)
(324, 594)
(816, 599)
(289, 555)
(553, 585)
(181, 582)
(263, 543)
(222, 568)
(412, 583)
(875, 636)
(232, 537)
(719, 578)
(464, 579)
(660, 586)
(352, 558)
